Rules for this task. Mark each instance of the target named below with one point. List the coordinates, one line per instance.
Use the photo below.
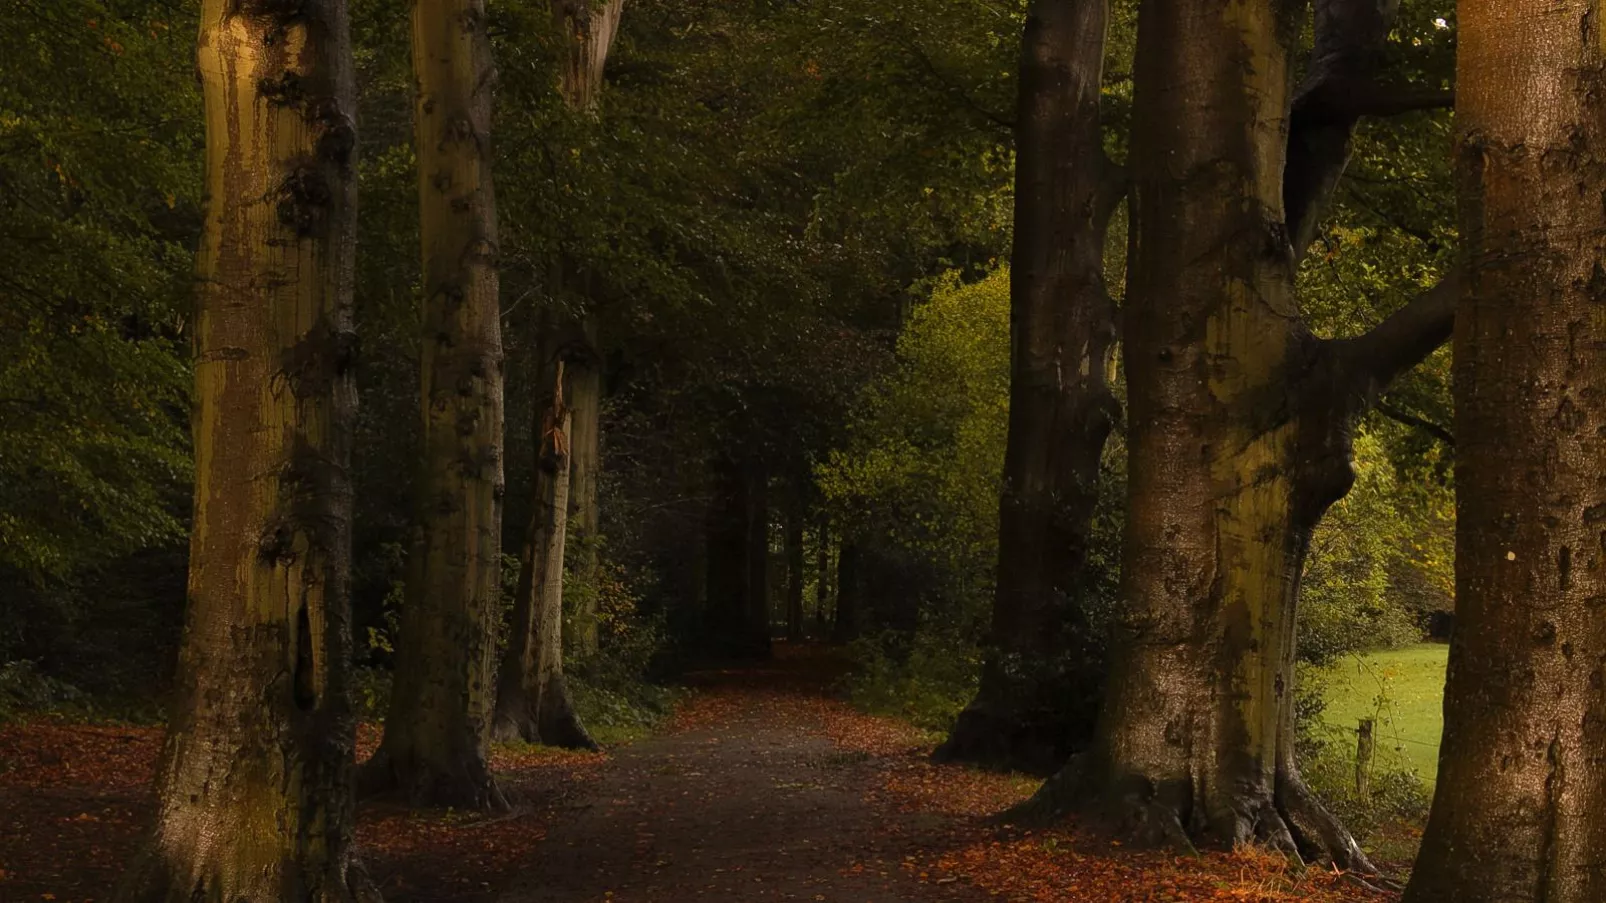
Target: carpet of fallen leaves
(1060, 865)
(74, 800)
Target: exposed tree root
(1288, 819)
(551, 722)
(153, 878)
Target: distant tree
(1038, 691)
(794, 571)
(438, 731)
(1519, 815)
(255, 781)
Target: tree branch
(1408, 419)
(1372, 361)
(1341, 86)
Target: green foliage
(927, 684)
(613, 691)
(99, 158)
(25, 690)
(1348, 603)
(924, 461)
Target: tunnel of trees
(1078, 371)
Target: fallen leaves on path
(1060, 865)
(75, 801)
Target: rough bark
(438, 729)
(532, 701)
(255, 784)
(590, 28)
(1038, 688)
(794, 574)
(1239, 440)
(1520, 811)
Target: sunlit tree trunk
(1519, 815)
(1038, 689)
(532, 701)
(1239, 440)
(255, 795)
(438, 730)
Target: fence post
(1363, 759)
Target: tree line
(697, 254)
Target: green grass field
(1404, 690)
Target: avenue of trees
(1084, 367)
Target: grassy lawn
(1404, 690)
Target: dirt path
(755, 803)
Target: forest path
(748, 796)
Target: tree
(1520, 809)
(532, 697)
(1037, 691)
(437, 734)
(1240, 420)
(590, 30)
(255, 782)
(533, 700)
(794, 571)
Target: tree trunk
(849, 593)
(756, 607)
(255, 785)
(726, 529)
(1520, 811)
(1038, 689)
(794, 574)
(438, 729)
(1240, 424)
(585, 391)
(532, 702)
(591, 28)
(822, 576)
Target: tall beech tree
(589, 30)
(1520, 809)
(533, 698)
(1240, 420)
(255, 781)
(438, 732)
(1037, 694)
